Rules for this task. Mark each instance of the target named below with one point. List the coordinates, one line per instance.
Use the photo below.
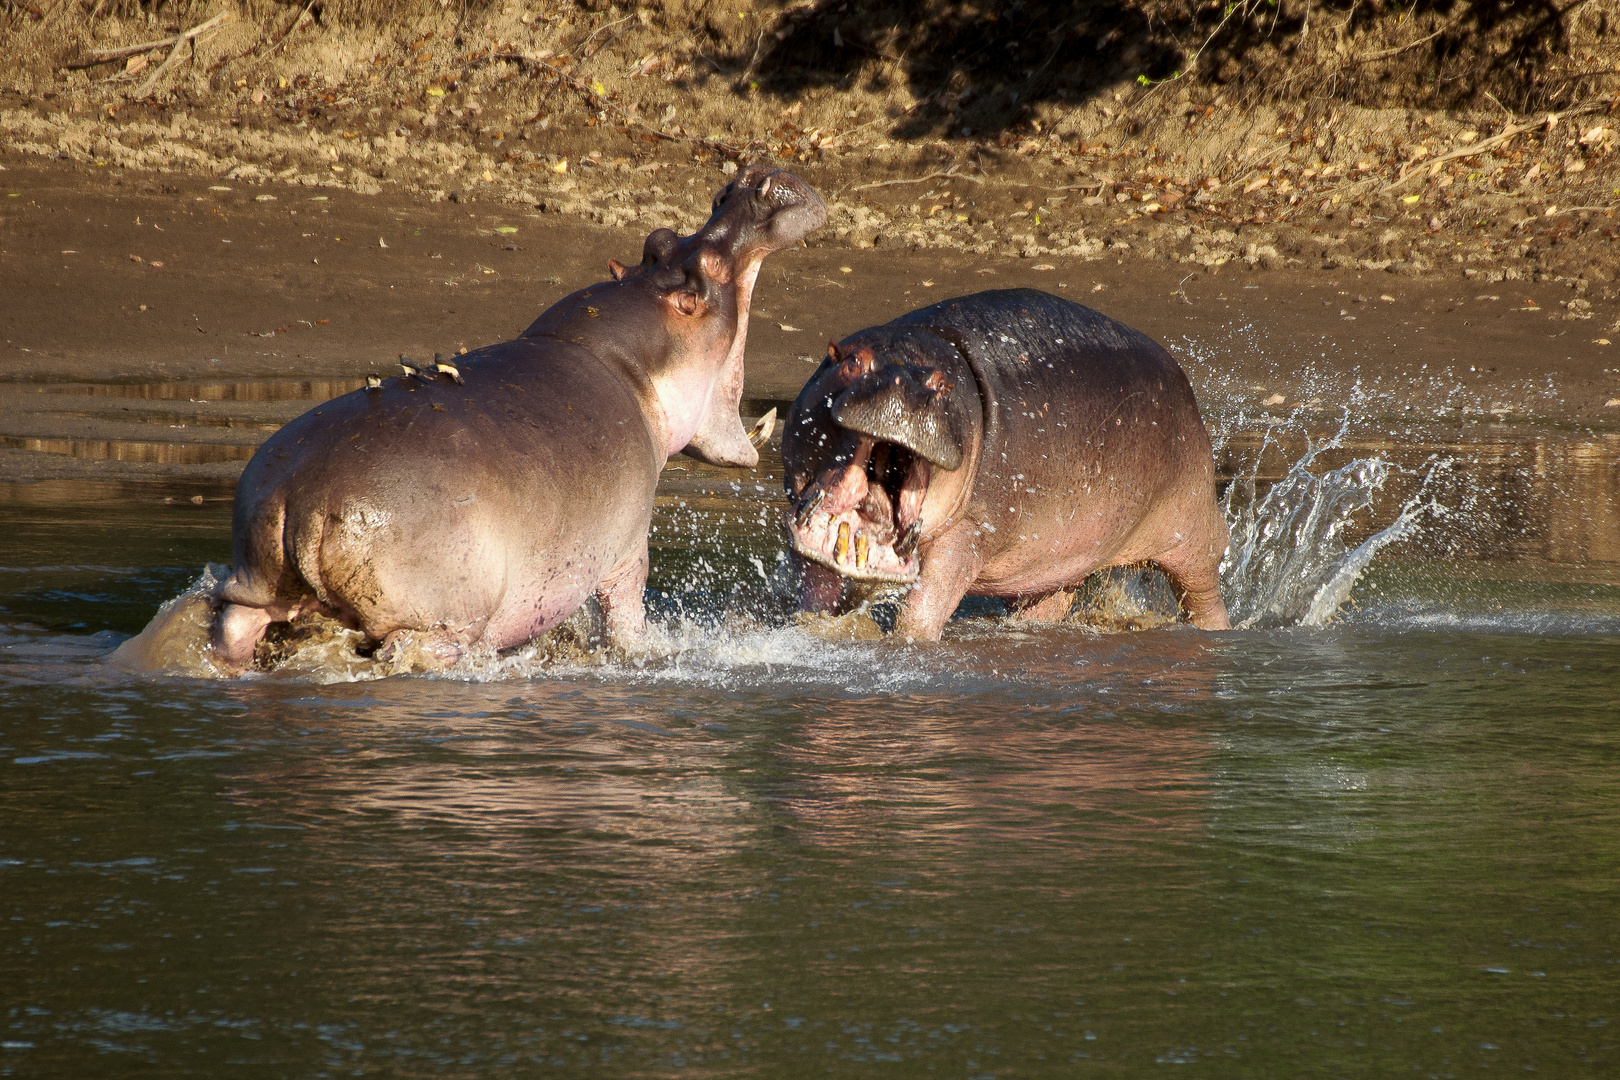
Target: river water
(1375, 833)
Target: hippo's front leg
(821, 590)
(950, 563)
(624, 610)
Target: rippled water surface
(1388, 844)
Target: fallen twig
(948, 174)
(174, 53)
(1597, 105)
(1385, 54)
(105, 56)
(296, 24)
(1261, 160)
(585, 58)
(1469, 151)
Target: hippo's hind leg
(621, 594)
(238, 628)
(1193, 567)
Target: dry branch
(1599, 105)
(1385, 54)
(104, 56)
(948, 174)
(302, 16)
(174, 53)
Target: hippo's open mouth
(863, 518)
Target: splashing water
(1287, 562)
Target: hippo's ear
(911, 406)
(618, 270)
(686, 301)
(660, 246)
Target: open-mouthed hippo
(1003, 444)
(484, 501)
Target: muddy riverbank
(930, 130)
(177, 305)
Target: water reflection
(259, 390)
(1540, 496)
(162, 453)
(52, 420)
(1017, 853)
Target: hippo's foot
(1205, 606)
(236, 633)
(418, 651)
(1051, 608)
(1194, 572)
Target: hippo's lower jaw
(863, 520)
(849, 544)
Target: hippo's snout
(906, 405)
(776, 207)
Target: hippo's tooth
(808, 510)
(863, 548)
(841, 546)
(760, 433)
(908, 541)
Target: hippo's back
(423, 503)
(1006, 329)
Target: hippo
(480, 501)
(1004, 444)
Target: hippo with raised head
(1004, 444)
(481, 502)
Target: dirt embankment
(1453, 139)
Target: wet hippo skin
(1004, 444)
(485, 503)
